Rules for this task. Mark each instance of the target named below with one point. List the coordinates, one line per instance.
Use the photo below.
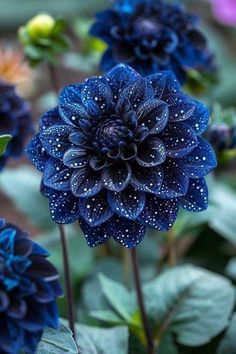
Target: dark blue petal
(164, 83)
(73, 113)
(85, 182)
(151, 152)
(127, 232)
(52, 315)
(153, 114)
(57, 175)
(4, 301)
(71, 94)
(117, 176)
(95, 210)
(37, 154)
(76, 157)
(97, 90)
(64, 207)
(17, 309)
(175, 181)
(129, 203)
(138, 91)
(196, 198)
(201, 160)
(159, 213)
(147, 179)
(79, 138)
(107, 61)
(179, 139)
(97, 235)
(200, 119)
(55, 140)
(50, 118)
(119, 77)
(181, 107)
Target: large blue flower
(28, 290)
(15, 119)
(151, 35)
(121, 153)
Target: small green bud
(40, 26)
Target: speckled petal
(200, 119)
(73, 113)
(85, 182)
(95, 210)
(138, 91)
(76, 157)
(179, 139)
(181, 107)
(64, 207)
(71, 94)
(164, 83)
(151, 152)
(119, 77)
(57, 175)
(201, 160)
(97, 235)
(55, 140)
(127, 232)
(153, 114)
(158, 213)
(37, 154)
(147, 179)
(175, 181)
(196, 198)
(50, 118)
(97, 90)
(117, 176)
(128, 203)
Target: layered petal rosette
(153, 35)
(28, 290)
(122, 153)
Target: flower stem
(172, 256)
(54, 78)
(68, 285)
(137, 281)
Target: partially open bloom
(15, 120)
(121, 153)
(152, 35)
(28, 290)
(225, 11)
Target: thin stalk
(68, 285)
(137, 282)
(54, 78)
(172, 256)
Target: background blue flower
(28, 289)
(152, 35)
(15, 120)
(121, 153)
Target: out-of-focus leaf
(194, 304)
(57, 341)
(21, 185)
(230, 270)
(228, 343)
(4, 140)
(167, 345)
(95, 340)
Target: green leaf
(119, 298)
(230, 270)
(107, 316)
(21, 185)
(33, 52)
(93, 340)
(228, 343)
(190, 302)
(57, 341)
(59, 27)
(4, 140)
(167, 345)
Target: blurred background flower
(225, 11)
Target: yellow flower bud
(40, 26)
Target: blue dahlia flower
(28, 289)
(152, 35)
(15, 120)
(121, 153)
(222, 136)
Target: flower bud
(40, 26)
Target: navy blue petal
(151, 152)
(201, 160)
(164, 83)
(147, 179)
(138, 91)
(153, 114)
(158, 213)
(73, 113)
(200, 119)
(97, 90)
(85, 182)
(71, 94)
(97, 235)
(55, 140)
(107, 61)
(181, 106)
(117, 176)
(176, 180)
(127, 232)
(37, 154)
(76, 157)
(95, 210)
(57, 175)
(64, 207)
(179, 139)
(50, 118)
(196, 198)
(129, 203)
